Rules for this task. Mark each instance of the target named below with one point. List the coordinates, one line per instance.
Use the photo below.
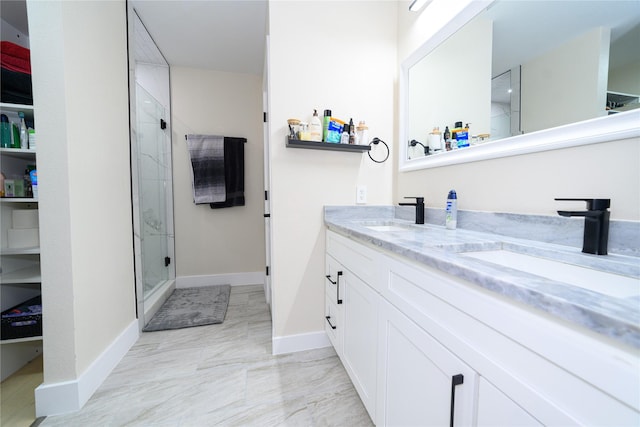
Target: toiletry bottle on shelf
(315, 127)
(451, 218)
(33, 175)
(5, 132)
(325, 125)
(362, 132)
(447, 138)
(28, 191)
(24, 133)
(32, 138)
(352, 132)
(344, 138)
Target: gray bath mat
(189, 307)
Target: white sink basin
(594, 280)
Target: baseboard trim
(301, 342)
(233, 279)
(70, 396)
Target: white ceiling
(224, 35)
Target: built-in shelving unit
(313, 145)
(20, 277)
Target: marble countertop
(436, 247)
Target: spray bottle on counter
(451, 218)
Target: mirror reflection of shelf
(618, 102)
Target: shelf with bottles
(16, 108)
(316, 145)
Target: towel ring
(376, 141)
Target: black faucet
(596, 224)
(419, 204)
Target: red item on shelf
(15, 58)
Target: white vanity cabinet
(443, 340)
(355, 305)
(421, 382)
(495, 409)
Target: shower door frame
(146, 307)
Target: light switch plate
(361, 194)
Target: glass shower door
(154, 169)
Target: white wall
(568, 84)
(79, 60)
(323, 55)
(528, 183)
(217, 241)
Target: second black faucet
(419, 204)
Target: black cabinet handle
(329, 321)
(337, 283)
(455, 381)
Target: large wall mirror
(522, 76)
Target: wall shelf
(19, 340)
(313, 145)
(18, 200)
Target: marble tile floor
(222, 375)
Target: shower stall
(151, 171)
(153, 156)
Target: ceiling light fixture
(416, 5)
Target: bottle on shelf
(362, 133)
(344, 136)
(24, 133)
(28, 191)
(5, 131)
(352, 132)
(325, 125)
(315, 127)
(33, 176)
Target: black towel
(233, 173)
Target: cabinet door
(496, 409)
(334, 307)
(422, 383)
(360, 338)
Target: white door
(267, 177)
